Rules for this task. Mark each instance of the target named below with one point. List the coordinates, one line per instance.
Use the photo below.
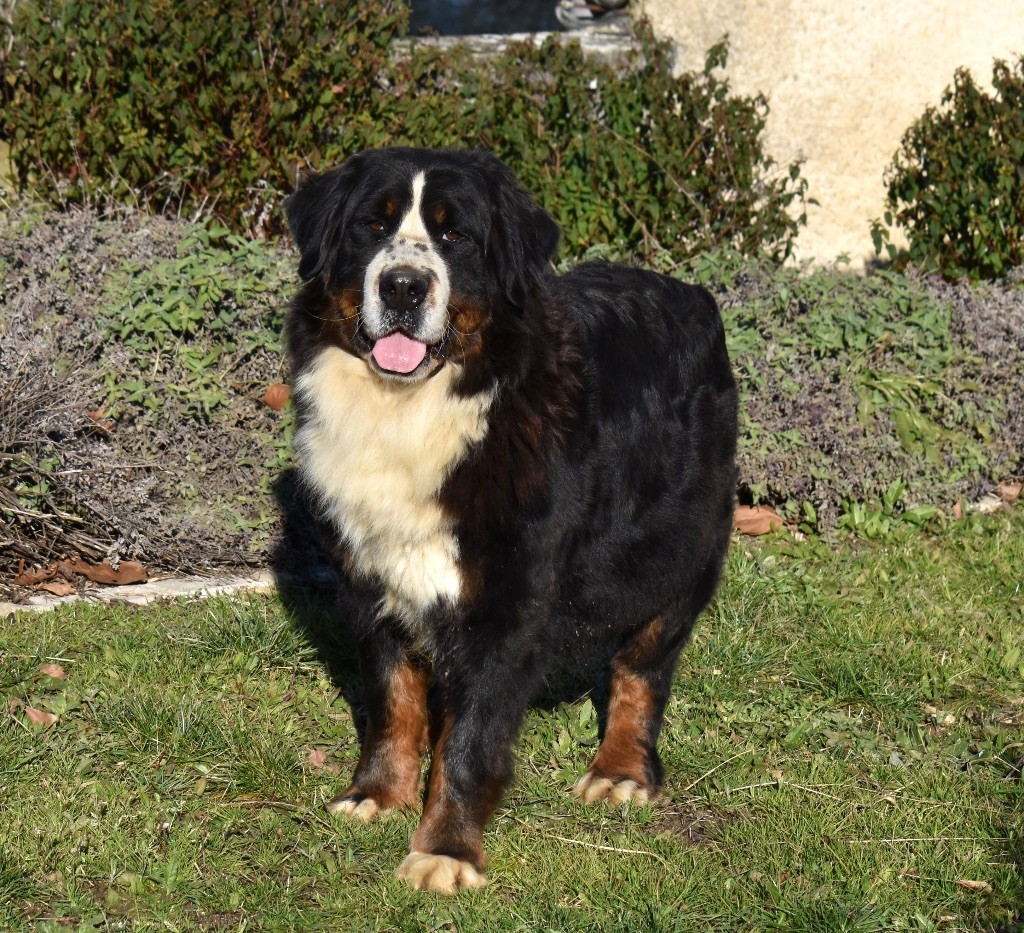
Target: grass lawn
(843, 748)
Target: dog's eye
(451, 236)
(377, 227)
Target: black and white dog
(520, 470)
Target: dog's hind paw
(592, 787)
(441, 874)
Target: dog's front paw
(358, 805)
(593, 786)
(439, 873)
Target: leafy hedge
(893, 392)
(635, 158)
(131, 424)
(215, 106)
(956, 185)
(183, 103)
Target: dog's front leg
(395, 690)
(472, 764)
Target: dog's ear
(524, 236)
(315, 213)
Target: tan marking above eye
(389, 207)
(440, 213)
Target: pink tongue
(399, 354)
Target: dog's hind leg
(627, 766)
(395, 689)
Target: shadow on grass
(313, 593)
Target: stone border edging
(140, 594)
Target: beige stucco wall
(844, 80)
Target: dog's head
(417, 251)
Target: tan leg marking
(619, 771)
(388, 774)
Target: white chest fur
(377, 454)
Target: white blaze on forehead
(412, 227)
(410, 246)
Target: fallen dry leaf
(103, 425)
(35, 577)
(276, 396)
(40, 717)
(756, 519)
(1009, 492)
(318, 758)
(957, 510)
(56, 578)
(128, 571)
(981, 887)
(53, 670)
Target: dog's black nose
(403, 289)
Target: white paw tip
(591, 788)
(364, 810)
(439, 873)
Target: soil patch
(694, 825)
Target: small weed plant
(882, 520)
(183, 321)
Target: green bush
(187, 104)
(956, 185)
(214, 106)
(187, 323)
(136, 352)
(636, 157)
